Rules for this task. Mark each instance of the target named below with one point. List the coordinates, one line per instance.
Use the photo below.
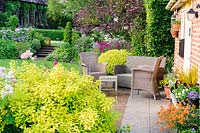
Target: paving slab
(141, 113)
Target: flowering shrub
(179, 117)
(164, 82)
(113, 57)
(19, 35)
(103, 46)
(6, 81)
(27, 55)
(193, 95)
(55, 100)
(186, 87)
(182, 92)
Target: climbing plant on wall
(158, 38)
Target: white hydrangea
(27, 55)
(8, 78)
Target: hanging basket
(174, 34)
(175, 27)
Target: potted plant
(174, 33)
(165, 84)
(176, 25)
(47, 41)
(168, 83)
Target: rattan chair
(144, 78)
(90, 65)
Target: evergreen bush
(68, 33)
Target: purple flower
(193, 95)
(193, 130)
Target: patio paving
(140, 112)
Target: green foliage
(85, 44)
(76, 35)
(36, 45)
(3, 19)
(158, 37)
(138, 34)
(55, 100)
(113, 57)
(21, 47)
(66, 53)
(53, 34)
(8, 49)
(9, 10)
(68, 33)
(125, 129)
(11, 7)
(13, 22)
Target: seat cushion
(124, 80)
(97, 74)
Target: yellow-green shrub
(113, 57)
(55, 100)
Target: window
(182, 34)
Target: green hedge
(158, 37)
(53, 34)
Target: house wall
(195, 44)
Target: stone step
(45, 51)
(42, 55)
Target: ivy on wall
(158, 38)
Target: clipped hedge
(53, 101)
(53, 34)
(113, 57)
(158, 37)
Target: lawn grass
(56, 43)
(40, 62)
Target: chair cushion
(97, 74)
(124, 80)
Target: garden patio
(99, 66)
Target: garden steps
(45, 51)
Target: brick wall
(195, 49)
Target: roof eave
(175, 4)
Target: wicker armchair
(123, 72)
(145, 78)
(90, 65)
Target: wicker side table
(108, 79)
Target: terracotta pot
(176, 27)
(47, 41)
(167, 91)
(174, 34)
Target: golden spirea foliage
(56, 100)
(113, 57)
